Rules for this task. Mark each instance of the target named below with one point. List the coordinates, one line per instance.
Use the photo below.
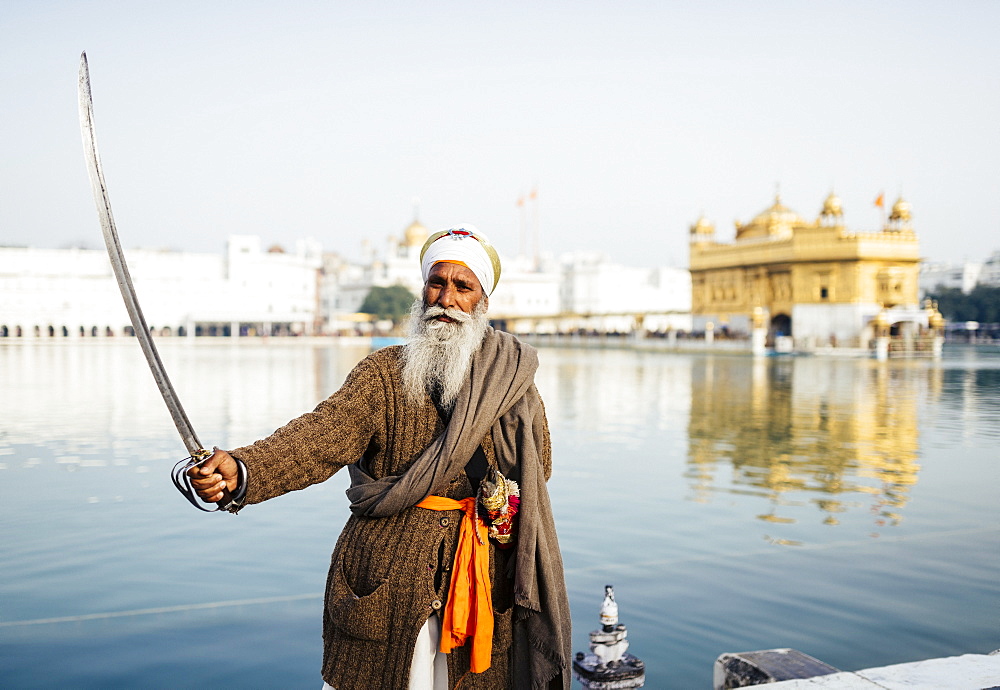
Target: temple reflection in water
(837, 435)
(782, 443)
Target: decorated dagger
(101, 199)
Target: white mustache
(457, 315)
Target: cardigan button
(444, 521)
(436, 604)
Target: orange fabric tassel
(469, 610)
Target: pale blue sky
(324, 119)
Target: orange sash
(469, 610)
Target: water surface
(846, 508)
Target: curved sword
(120, 268)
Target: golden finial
(832, 206)
(901, 211)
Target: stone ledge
(965, 672)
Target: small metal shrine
(609, 666)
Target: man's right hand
(209, 478)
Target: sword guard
(182, 482)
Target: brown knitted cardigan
(387, 574)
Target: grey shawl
(499, 394)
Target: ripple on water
(840, 508)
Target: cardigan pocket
(365, 617)
(502, 630)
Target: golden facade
(810, 279)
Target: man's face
(451, 286)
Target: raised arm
(310, 448)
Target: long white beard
(439, 354)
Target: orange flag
(880, 202)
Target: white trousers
(429, 668)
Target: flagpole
(534, 208)
(522, 244)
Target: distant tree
(952, 303)
(982, 304)
(392, 303)
(987, 301)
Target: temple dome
(703, 227)
(832, 206)
(776, 220)
(777, 213)
(415, 235)
(901, 210)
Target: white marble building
(576, 292)
(934, 275)
(522, 291)
(609, 297)
(253, 291)
(990, 272)
(963, 276)
(528, 298)
(73, 292)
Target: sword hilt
(183, 482)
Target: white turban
(465, 245)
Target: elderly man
(448, 571)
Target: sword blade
(117, 256)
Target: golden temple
(813, 281)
